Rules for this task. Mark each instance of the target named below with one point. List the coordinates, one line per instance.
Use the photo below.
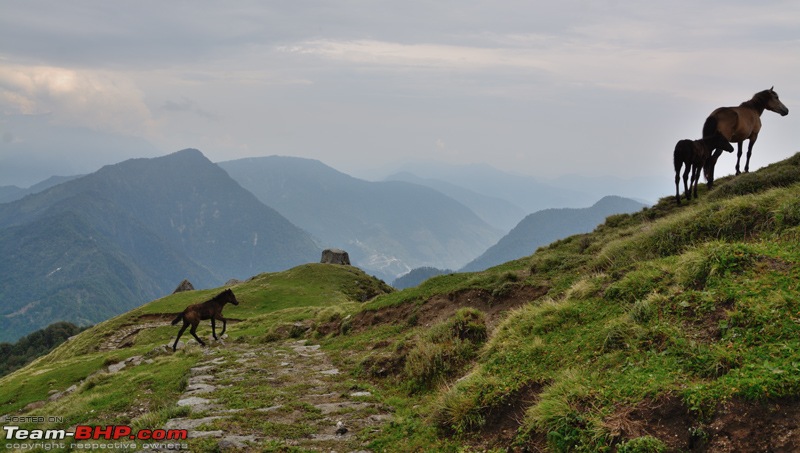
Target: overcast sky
(540, 88)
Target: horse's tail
(177, 319)
(710, 126)
(679, 155)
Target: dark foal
(695, 155)
(210, 309)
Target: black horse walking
(210, 309)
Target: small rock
(116, 367)
(189, 423)
(198, 434)
(195, 389)
(235, 442)
(194, 401)
(34, 405)
(340, 429)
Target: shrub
(444, 349)
(646, 444)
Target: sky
(547, 89)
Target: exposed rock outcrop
(335, 256)
(185, 285)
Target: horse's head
(719, 142)
(774, 104)
(711, 162)
(228, 297)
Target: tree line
(26, 349)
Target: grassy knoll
(145, 395)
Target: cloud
(94, 99)
(186, 105)
(373, 52)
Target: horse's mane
(223, 294)
(759, 100)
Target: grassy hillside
(271, 305)
(671, 329)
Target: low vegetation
(31, 346)
(658, 331)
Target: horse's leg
(695, 178)
(224, 325)
(213, 329)
(738, 156)
(750, 144)
(685, 181)
(193, 331)
(678, 185)
(180, 332)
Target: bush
(646, 444)
(444, 349)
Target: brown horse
(741, 123)
(694, 154)
(210, 309)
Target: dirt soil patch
(441, 307)
(737, 426)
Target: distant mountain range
(526, 192)
(546, 226)
(417, 276)
(92, 247)
(387, 227)
(13, 193)
(84, 248)
(495, 211)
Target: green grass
(698, 304)
(146, 394)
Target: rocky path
(266, 397)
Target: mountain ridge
(548, 225)
(387, 227)
(155, 221)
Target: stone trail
(251, 397)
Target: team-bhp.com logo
(94, 433)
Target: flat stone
(201, 370)
(331, 372)
(201, 379)
(358, 394)
(270, 409)
(327, 408)
(199, 434)
(116, 367)
(194, 401)
(189, 423)
(235, 442)
(195, 389)
(380, 418)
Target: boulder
(185, 285)
(335, 256)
